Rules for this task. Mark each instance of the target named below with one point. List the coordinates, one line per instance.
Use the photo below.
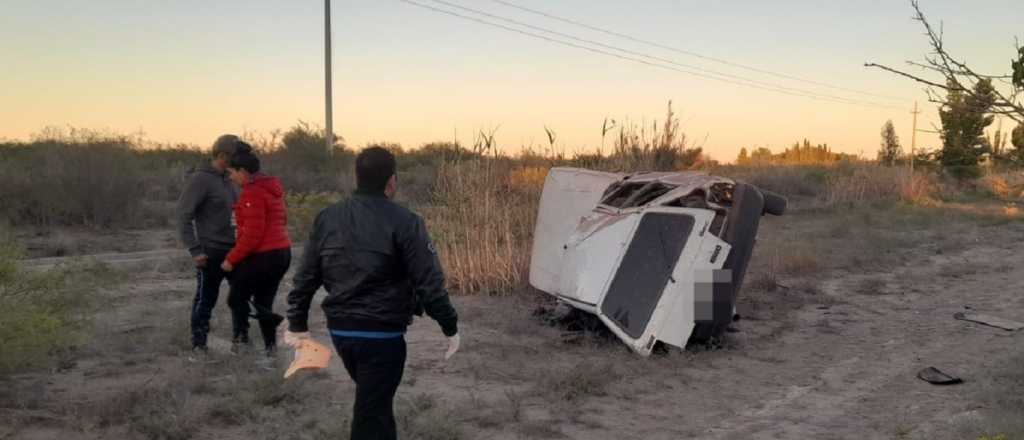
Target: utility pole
(913, 138)
(329, 134)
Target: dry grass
(482, 222)
(853, 185)
(423, 417)
(872, 286)
(793, 181)
(187, 398)
(1006, 185)
(583, 380)
(842, 184)
(797, 261)
(999, 416)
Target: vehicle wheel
(774, 204)
(740, 231)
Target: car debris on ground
(991, 321)
(933, 376)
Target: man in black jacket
(206, 228)
(377, 263)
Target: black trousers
(208, 280)
(376, 366)
(256, 279)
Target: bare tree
(958, 76)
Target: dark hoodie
(204, 211)
(262, 218)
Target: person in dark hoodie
(206, 229)
(262, 251)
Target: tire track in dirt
(119, 260)
(885, 338)
(113, 259)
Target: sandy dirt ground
(828, 354)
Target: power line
(642, 61)
(773, 86)
(688, 52)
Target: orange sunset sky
(186, 71)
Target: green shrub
(303, 209)
(44, 311)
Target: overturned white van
(656, 256)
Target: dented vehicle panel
(655, 256)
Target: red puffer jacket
(261, 217)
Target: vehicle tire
(740, 231)
(774, 204)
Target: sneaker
(267, 362)
(240, 344)
(199, 354)
(240, 347)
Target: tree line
(968, 103)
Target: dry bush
(1005, 185)
(798, 261)
(60, 184)
(843, 184)
(71, 177)
(482, 221)
(869, 184)
(637, 147)
(79, 177)
(301, 159)
(164, 170)
(163, 411)
(176, 401)
(580, 381)
(422, 417)
(788, 180)
(767, 281)
(334, 175)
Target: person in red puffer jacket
(262, 251)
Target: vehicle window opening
(647, 193)
(721, 193)
(617, 194)
(696, 199)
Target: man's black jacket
(378, 266)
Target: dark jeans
(208, 279)
(256, 279)
(376, 366)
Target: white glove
(293, 339)
(453, 346)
